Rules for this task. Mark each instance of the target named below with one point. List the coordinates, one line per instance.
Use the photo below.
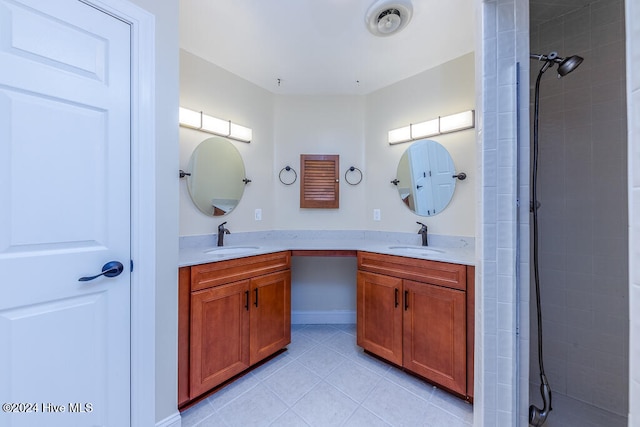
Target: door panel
(379, 311)
(270, 314)
(64, 211)
(88, 56)
(219, 338)
(443, 183)
(63, 207)
(435, 334)
(56, 331)
(421, 179)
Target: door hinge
(131, 265)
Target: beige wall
(208, 88)
(319, 125)
(446, 89)
(355, 127)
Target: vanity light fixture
(200, 121)
(439, 126)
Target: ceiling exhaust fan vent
(387, 17)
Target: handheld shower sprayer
(537, 416)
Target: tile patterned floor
(325, 380)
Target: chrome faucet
(221, 232)
(423, 231)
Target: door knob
(110, 269)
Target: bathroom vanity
(418, 314)
(235, 311)
(232, 314)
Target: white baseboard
(323, 317)
(171, 421)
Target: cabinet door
(320, 181)
(270, 314)
(219, 335)
(379, 310)
(435, 334)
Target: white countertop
(196, 250)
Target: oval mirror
(425, 177)
(217, 172)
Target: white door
(64, 213)
(421, 178)
(442, 180)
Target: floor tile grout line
(390, 422)
(339, 391)
(365, 409)
(359, 362)
(430, 401)
(452, 413)
(304, 394)
(380, 378)
(431, 387)
(238, 381)
(283, 412)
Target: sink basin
(417, 250)
(231, 250)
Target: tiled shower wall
(501, 398)
(583, 215)
(504, 25)
(633, 103)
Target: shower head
(569, 64)
(565, 65)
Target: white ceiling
(322, 46)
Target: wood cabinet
(415, 314)
(379, 315)
(320, 181)
(434, 339)
(270, 315)
(232, 315)
(219, 339)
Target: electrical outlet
(258, 215)
(376, 214)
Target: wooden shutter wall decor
(319, 181)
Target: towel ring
(288, 169)
(353, 169)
